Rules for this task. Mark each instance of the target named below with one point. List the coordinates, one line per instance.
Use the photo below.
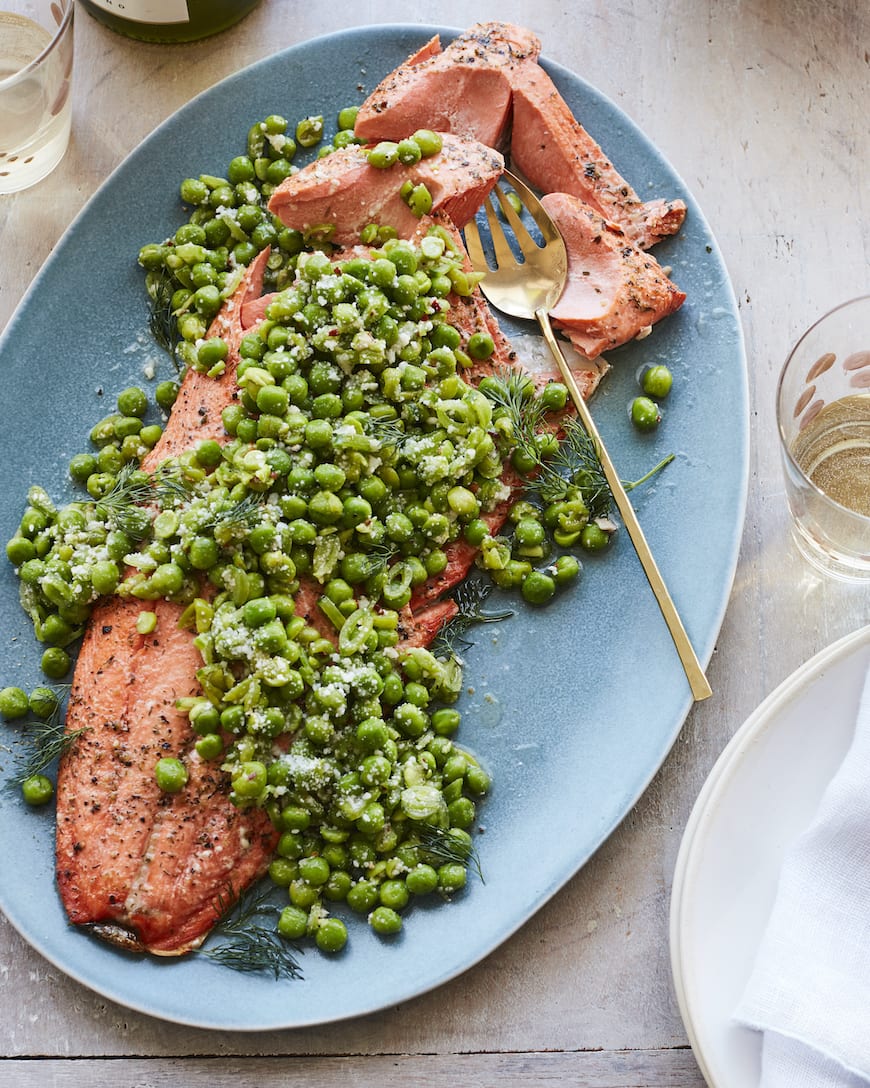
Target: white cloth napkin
(810, 987)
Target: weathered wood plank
(621, 1069)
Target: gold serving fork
(529, 289)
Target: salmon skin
(343, 190)
(487, 82)
(614, 290)
(466, 88)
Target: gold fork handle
(697, 680)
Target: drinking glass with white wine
(823, 412)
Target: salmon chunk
(465, 88)
(557, 155)
(344, 191)
(614, 289)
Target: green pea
(81, 466)
(37, 789)
(329, 476)
(295, 818)
(314, 871)
(567, 568)
(408, 152)
(420, 200)
(209, 453)
(318, 434)
(309, 131)
(13, 703)
(657, 381)
(20, 550)
(194, 191)
(445, 721)
(529, 532)
(43, 702)
(383, 155)
(537, 587)
(132, 401)
(480, 345)
(293, 923)
(105, 576)
(55, 663)
(645, 414)
(210, 746)
(385, 921)
(451, 877)
(461, 812)
(422, 880)
(593, 538)
(363, 896)
(554, 397)
(259, 611)
(167, 579)
(303, 894)
(331, 935)
(170, 774)
(477, 780)
(325, 508)
(203, 552)
(282, 872)
(429, 142)
(149, 436)
(251, 779)
(347, 117)
(338, 885)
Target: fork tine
(528, 246)
(474, 246)
(534, 208)
(503, 252)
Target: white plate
(761, 794)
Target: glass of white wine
(823, 413)
(36, 61)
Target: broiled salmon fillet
(614, 289)
(343, 190)
(153, 871)
(149, 870)
(465, 89)
(556, 154)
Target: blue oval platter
(571, 707)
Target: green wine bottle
(168, 20)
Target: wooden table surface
(763, 109)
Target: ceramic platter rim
(578, 771)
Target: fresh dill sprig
(247, 945)
(162, 320)
(470, 597)
(378, 557)
(244, 512)
(132, 490)
(443, 847)
(387, 432)
(51, 741)
(509, 390)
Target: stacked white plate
(761, 794)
